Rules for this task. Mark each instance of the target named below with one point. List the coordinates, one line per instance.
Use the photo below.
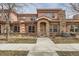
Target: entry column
(38, 29)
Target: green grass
(65, 40)
(68, 53)
(13, 53)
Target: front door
(43, 29)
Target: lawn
(22, 40)
(65, 40)
(68, 53)
(19, 39)
(13, 53)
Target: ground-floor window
(31, 29)
(16, 28)
(51, 30)
(77, 28)
(55, 28)
(74, 28)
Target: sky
(32, 8)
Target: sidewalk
(16, 46)
(67, 47)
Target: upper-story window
(33, 18)
(22, 18)
(50, 15)
(47, 14)
(54, 15)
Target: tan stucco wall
(25, 18)
(22, 28)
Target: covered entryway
(43, 29)
(43, 26)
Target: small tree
(74, 7)
(6, 9)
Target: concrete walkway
(44, 47)
(67, 47)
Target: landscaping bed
(13, 53)
(68, 53)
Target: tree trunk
(7, 31)
(7, 27)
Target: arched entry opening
(43, 27)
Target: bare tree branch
(75, 6)
(6, 9)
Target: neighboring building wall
(13, 17)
